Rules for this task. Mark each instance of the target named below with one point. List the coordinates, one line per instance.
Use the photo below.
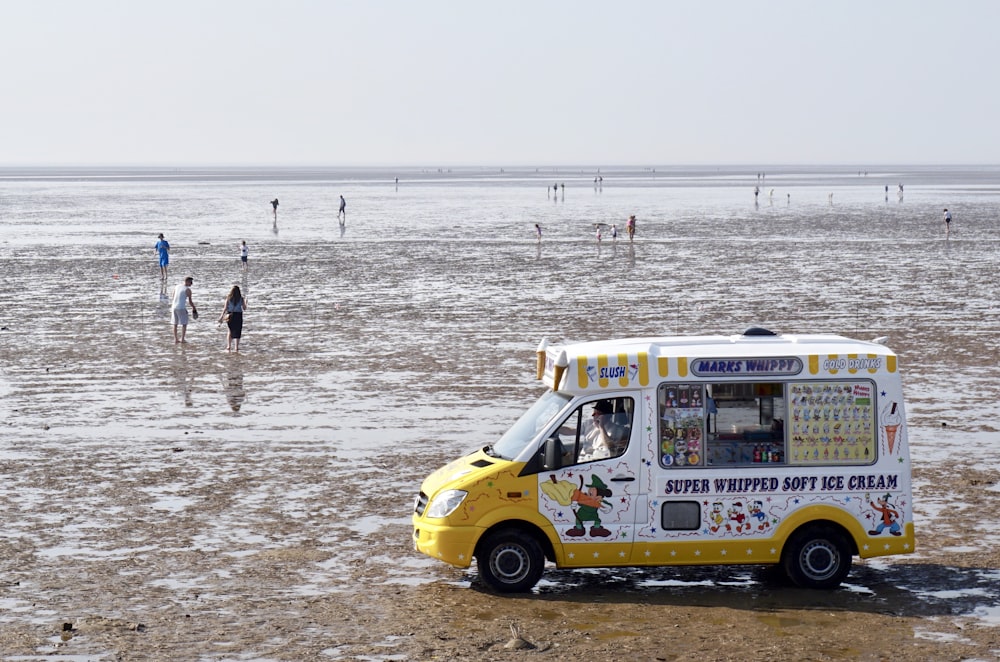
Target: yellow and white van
(748, 449)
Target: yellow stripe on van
(581, 372)
(663, 365)
(890, 363)
(852, 357)
(813, 364)
(643, 360)
(682, 366)
(873, 370)
(623, 362)
(833, 362)
(602, 364)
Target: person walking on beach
(630, 227)
(163, 249)
(274, 204)
(538, 233)
(244, 254)
(182, 296)
(232, 315)
(947, 222)
(342, 213)
(614, 232)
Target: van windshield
(530, 424)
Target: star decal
(749, 551)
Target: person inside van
(604, 438)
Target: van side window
(748, 427)
(766, 423)
(597, 430)
(682, 424)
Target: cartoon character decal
(589, 501)
(888, 513)
(737, 518)
(758, 516)
(716, 518)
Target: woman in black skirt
(232, 314)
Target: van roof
(631, 362)
(734, 345)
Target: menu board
(682, 418)
(832, 422)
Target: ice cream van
(755, 448)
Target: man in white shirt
(182, 295)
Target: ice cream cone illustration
(560, 369)
(560, 491)
(540, 353)
(892, 422)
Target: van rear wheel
(510, 561)
(817, 557)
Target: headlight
(445, 503)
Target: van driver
(604, 438)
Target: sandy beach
(180, 502)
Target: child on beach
(244, 253)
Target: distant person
(274, 204)
(947, 222)
(614, 232)
(163, 249)
(598, 234)
(630, 227)
(538, 233)
(232, 315)
(342, 213)
(244, 254)
(182, 296)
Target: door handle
(622, 479)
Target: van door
(592, 496)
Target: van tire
(817, 557)
(510, 561)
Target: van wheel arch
(511, 556)
(818, 555)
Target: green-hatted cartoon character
(590, 503)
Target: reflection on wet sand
(232, 383)
(184, 375)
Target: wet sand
(165, 502)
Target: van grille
(420, 503)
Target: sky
(499, 82)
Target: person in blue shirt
(163, 248)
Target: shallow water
(374, 352)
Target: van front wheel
(817, 557)
(510, 561)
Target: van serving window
(762, 423)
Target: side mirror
(553, 453)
